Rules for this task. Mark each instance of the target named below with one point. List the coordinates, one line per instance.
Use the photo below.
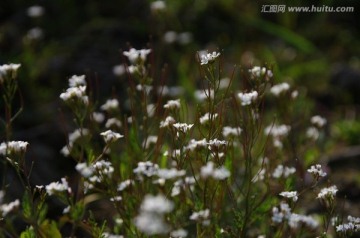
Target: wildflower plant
(227, 164)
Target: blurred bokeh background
(53, 40)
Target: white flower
(134, 55)
(313, 133)
(170, 173)
(205, 118)
(202, 216)
(281, 171)
(151, 139)
(66, 210)
(179, 233)
(193, 144)
(113, 122)
(170, 37)
(295, 219)
(318, 121)
(292, 194)
(56, 187)
(13, 147)
(157, 5)
(169, 120)
(34, 33)
(7, 208)
(277, 130)
(85, 170)
(208, 58)
(279, 88)
(119, 70)
(123, 185)
(247, 98)
(8, 70)
(146, 168)
(108, 235)
(76, 81)
(258, 71)
(329, 192)
(98, 117)
(111, 104)
(172, 104)
(216, 143)
(35, 11)
(221, 173)
(184, 38)
(202, 95)
(110, 136)
(231, 131)
(75, 93)
(317, 171)
(208, 170)
(150, 109)
(280, 214)
(184, 127)
(156, 204)
(151, 223)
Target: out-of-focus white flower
(56, 187)
(151, 217)
(224, 83)
(318, 121)
(150, 140)
(144, 88)
(110, 136)
(202, 95)
(313, 133)
(85, 170)
(170, 173)
(329, 192)
(119, 70)
(216, 143)
(353, 225)
(208, 58)
(279, 88)
(111, 104)
(206, 117)
(294, 94)
(247, 98)
(113, 122)
(7, 208)
(317, 171)
(296, 219)
(167, 122)
(98, 117)
(158, 5)
(170, 37)
(292, 194)
(108, 235)
(184, 38)
(281, 171)
(231, 131)
(193, 144)
(123, 185)
(146, 168)
(201, 216)
(172, 104)
(35, 11)
(208, 170)
(179, 233)
(34, 34)
(281, 214)
(134, 55)
(151, 109)
(77, 81)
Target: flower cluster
(208, 58)
(8, 71)
(220, 173)
(76, 91)
(13, 147)
(58, 187)
(247, 98)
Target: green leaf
(26, 205)
(50, 229)
(28, 233)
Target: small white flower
(206, 117)
(231, 131)
(134, 55)
(313, 133)
(202, 95)
(170, 37)
(85, 170)
(113, 122)
(258, 71)
(169, 120)
(279, 88)
(317, 171)
(123, 185)
(156, 204)
(247, 98)
(110, 136)
(8, 70)
(329, 192)
(193, 144)
(281, 171)
(98, 117)
(146, 168)
(170, 173)
(75, 93)
(208, 58)
(172, 104)
(292, 194)
(111, 104)
(157, 5)
(119, 70)
(35, 11)
(318, 121)
(7, 208)
(151, 139)
(179, 233)
(56, 187)
(183, 127)
(13, 147)
(76, 81)
(202, 216)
